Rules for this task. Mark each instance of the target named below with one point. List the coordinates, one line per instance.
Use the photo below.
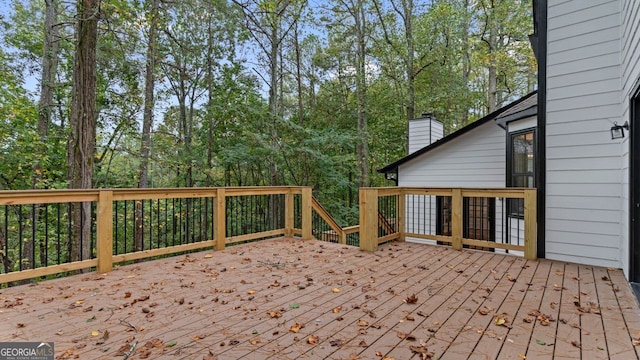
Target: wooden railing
(212, 219)
(179, 220)
(336, 231)
(502, 219)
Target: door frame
(634, 192)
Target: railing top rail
(21, 197)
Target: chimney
(424, 131)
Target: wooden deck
(293, 299)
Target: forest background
(194, 93)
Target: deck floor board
(244, 303)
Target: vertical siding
(584, 165)
(630, 77)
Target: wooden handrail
(370, 222)
(105, 199)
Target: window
(520, 165)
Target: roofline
(393, 167)
(528, 112)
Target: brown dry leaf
(105, 336)
(410, 318)
(576, 344)
(337, 309)
(483, 311)
(209, 356)
(522, 356)
(200, 336)
(313, 339)
(411, 299)
(295, 328)
(401, 335)
(335, 290)
(274, 314)
(208, 256)
(127, 294)
(378, 354)
(388, 358)
(251, 292)
(511, 278)
(528, 319)
(337, 342)
(363, 344)
(95, 333)
(362, 323)
(635, 342)
(422, 351)
(255, 341)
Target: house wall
(475, 159)
(630, 77)
(584, 197)
(424, 131)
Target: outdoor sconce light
(617, 131)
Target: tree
(82, 138)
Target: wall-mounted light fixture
(617, 131)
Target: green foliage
(214, 122)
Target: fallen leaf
(411, 299)
(335, 290)
(255, 341)
(337, 309)
(171, 344)
(295, 328)
(362, 323)
(337, 342)
(483, 311)
(208, 256)
(313, 339)
(209, 356)
(522, 356)
(294, 306)
(127, 294)
(251, 292)
(541, 342)
(575, 343)
(274, 314)
(95, 333)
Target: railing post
(456, 218)
(368, 219)
(104, 230)
(288, 214)
(220, 219)
(401, 210)
(530, 238)
(307, 208)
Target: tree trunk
(82, 138)
(273, 98)
(407, 7)
(362, 147)
(466, 62)
(147, 121)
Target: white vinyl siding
(583, 192)
(474, 160)
(630, 78)
(423, 132)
